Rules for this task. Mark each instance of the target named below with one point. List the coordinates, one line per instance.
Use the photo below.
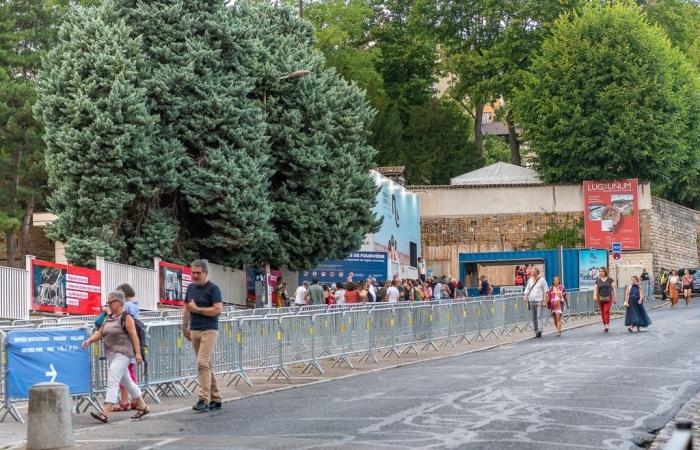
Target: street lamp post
(267, 289)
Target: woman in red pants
(604, 294)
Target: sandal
(99, 416)
(121, 407)
(140, 412)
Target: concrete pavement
(583, 390)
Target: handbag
(603, 299)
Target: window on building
(413, 249)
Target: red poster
(611, 211)
(66, 289)
(174, 280)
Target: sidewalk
(11, 432)
(689, 411)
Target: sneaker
(214, 405)
(201, 406)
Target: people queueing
(535, 292)
(635, 314)
(200, 325)
(121, 344)
(556, 299)
(604, 295)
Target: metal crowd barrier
(268, 339)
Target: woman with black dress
(635, 315)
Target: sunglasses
(113, 301)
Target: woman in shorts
(687, 282)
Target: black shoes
(214, 405)
(201, 406)
(538, 334)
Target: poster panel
(62, 288)
(38, 356)
(611, 213)
(589, 264)
(173, 282)
(358, 266)
(399, 235)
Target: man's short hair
(314, 281)
(306, 283)
(202, 264)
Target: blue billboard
(399, 235)
(589, 264)
(47, 356)
(358, 265)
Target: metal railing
(277, 342)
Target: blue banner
(358, 265)
(47, 356)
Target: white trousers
(118, 373)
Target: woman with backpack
(604, 295)
(121, 343)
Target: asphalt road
(585, 390)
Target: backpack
(140, 332)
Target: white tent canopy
(499, 173)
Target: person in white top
(339, 294)
(421, 269)
(535, 292)
(372, 288)
(300, 295)
(392, 294)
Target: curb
(342, 377)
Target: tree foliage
(186, 139)
(609, 97)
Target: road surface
(585, 390)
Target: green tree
(680, 19)
(26, 30)
(496, 150)
(487, 45)
(97, 131)
(609, 97)
(437, 143)
(318, 127)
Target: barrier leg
(12, 411)
(240, 375)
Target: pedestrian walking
(635, 314)
(300, 294)
(645, 278)
(687, 282)
(556, 299)
(121, 343)
(672, 288)
(200, 325)
(663, 280)
(362, 292)
(372, 290)
(131, 306)
(315, 293)
(339, 294)
(604, 295)
(535, 292)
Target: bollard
(50, 424)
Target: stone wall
(674, 235)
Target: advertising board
(589, 264)
(62, 288)
(611, 213)
(173, 282)
(358, 266)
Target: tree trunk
(24, 237)
(478, 137)
(10, 238)
(14, 190)
(513, 141)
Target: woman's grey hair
(116, 295)
(202, 264)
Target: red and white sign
(62, 288)
(611, 213)
(173, 282)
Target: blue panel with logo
(39, 356)
(358, 265)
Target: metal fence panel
(144, 281)
(14, 293)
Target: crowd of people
(371, 290)
(118, 327)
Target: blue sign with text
(39, 356)
(358, 266)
